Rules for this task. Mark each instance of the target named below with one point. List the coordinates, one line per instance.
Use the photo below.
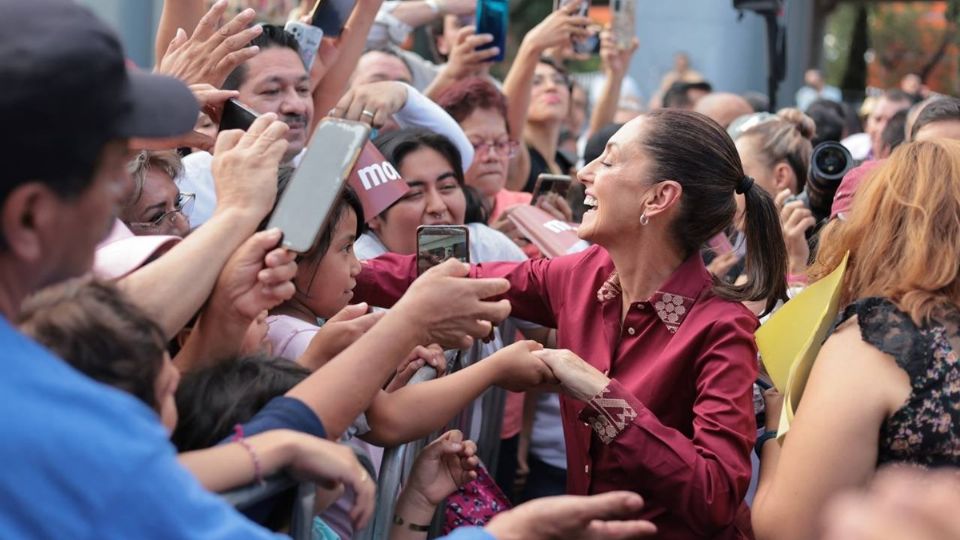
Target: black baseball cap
(65, 91)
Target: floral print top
(926, 429)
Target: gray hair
(167, 161)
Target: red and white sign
(376, 182)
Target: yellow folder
(791, 339)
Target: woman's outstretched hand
(578, 379)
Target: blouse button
(586, 469)
(631, 331)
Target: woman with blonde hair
(885, 384)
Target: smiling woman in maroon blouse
(657, 376)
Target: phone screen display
(331, 15)
(304, 208)
(556, 183)
(236, 115)
(437, 243)
(492, 17)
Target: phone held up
(551, 183)
(624, 22)
(236, 115)
(492, 17)
(331, 15)
(437, 243)
(589, 45)
(303, 209)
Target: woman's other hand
(577, 378)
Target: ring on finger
(366, 112)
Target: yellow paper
(791, 339)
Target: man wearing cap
(80, 459)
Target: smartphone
(437, 243)
(331, 15)
(236, 115)
(557, 183)
(589, 45)
(624, 22)
(304, 207)
(308, 40)
(720, 244)
(492, 17)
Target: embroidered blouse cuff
(607, 414)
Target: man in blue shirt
(80, 460)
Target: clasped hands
(526, 365)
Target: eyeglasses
(557, 78)
(502, 148)
(183, 207)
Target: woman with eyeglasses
(157, 206)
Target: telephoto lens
(828, 165)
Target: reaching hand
(721, 264)
(246, 164)
(586, 518)
(431, 355)
(340, 332)
(213, 51)
(328, 463)
(555, 205)
(466, 60)
(615, 61)
(257, 277)
(519, 369)
(443, 466)
(373, 103)
(451, 310)
(558, 29)
(211, 103)
(577, 378)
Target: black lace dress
(926, 429)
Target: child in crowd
(86, 322)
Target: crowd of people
(163, 347)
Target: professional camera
(828, 165)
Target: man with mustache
(275, 80)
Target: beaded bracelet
(397, 520)
(257, 470)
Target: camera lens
(831, 161)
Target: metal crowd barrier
(301, 519)
(396, 464)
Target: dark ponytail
(694, 151)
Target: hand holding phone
(331, 15)
(624, 22)
(437, 243)
(492, 18)
(555, 183)
(304, 207)
(236, 115)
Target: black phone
(236, 115)
(492, 18)
(331, 15)
(437, 243)
(556, 183)
(304, 207)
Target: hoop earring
(644, 219)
